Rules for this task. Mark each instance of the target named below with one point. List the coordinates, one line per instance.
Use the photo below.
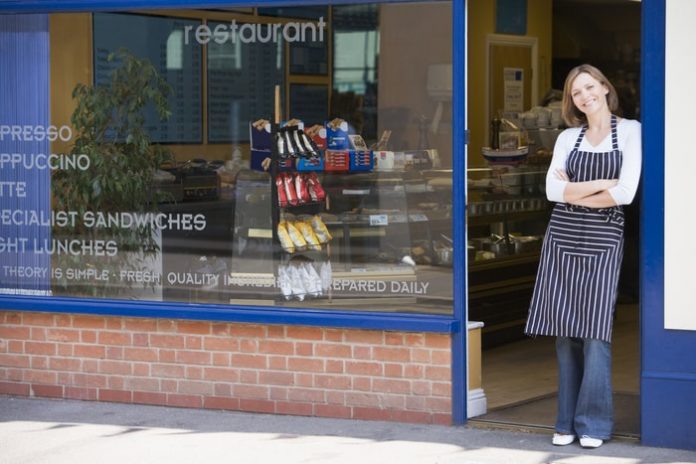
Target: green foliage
(109, 127)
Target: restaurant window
(249, 157)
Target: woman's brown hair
(571, 114)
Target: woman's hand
(606, 184)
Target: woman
(595, 169)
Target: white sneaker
(589, 442)
(562, 439)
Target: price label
(379, 220)
(417, 217)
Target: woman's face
(589, 95)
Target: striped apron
(576, 287)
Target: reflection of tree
(109, 128)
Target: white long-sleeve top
(629, 139)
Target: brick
(333, 335)
(306, 365)
(140, 325)
(221, 374)
(115, 367)
(13, 318)
(90, 366)
(40, 319)
(414, 417)
(194, 373)
(334, 366)
(333, 382)
(391, 386)
(166, 356)
(304, 349)
(391, 354)
(437, 373)
(393, 370)
(38, 334)
(194, 343)
(115, 396)
(336, 398)
(140, 384)
(15, 333)
(114, 323)
(81, 393)
(362, 383)
(47, 391)
(415, 403)
(363, 368)
(304, 379)
(141, 369)
(421, 387)
(39, 362)
(40, 348)
(420, 355)
(362, 399)
(90, 351)
(247, 331)
(414, 371)
(65, 349)
(248, 376)
(219, 402)
(149, 398)
(88, 322)
(276, 347)
(169, 386)
(194, 327)
(114, 338)
(88, 336)
(141, 339)
(370, 413)
(441, 358)
(43, 377)
(167, 341)
(414, 339)
(63, 335)
(394, 338)
(249, 346)
(14, 374)
(330, 350)
(275, 331)
(191, 387)
(369, 337)
(296, 409)
(252, 405)
(223, 389)
(63, 320)
(304, 333)
(249, 360)
(14, 388)
(167, 325)
(3, 346)
(141, 354)
(438, 404)
(251, 391)
(333, 410)
(186, 401)
(15, 346)
(114, 352)
(167, 370)
(13, 360)
(362, 352)
(441, 419)
(65, 378)
(394, 401)
(279, 394)
(65, 364)
(442, 389)
(220, 344)
(220, 328)
(276, 378)
(221, 359)
(89, 380)
(277, 363)
(193, 357)
(437, 341)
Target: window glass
(188, 156)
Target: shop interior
(518, 374)
(391, 223)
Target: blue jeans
(585, 404)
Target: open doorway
(508, 214)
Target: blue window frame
(455, 324)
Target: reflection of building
(300, 358)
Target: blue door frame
(455, 325)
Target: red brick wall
(310, 371)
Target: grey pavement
(64, 431)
